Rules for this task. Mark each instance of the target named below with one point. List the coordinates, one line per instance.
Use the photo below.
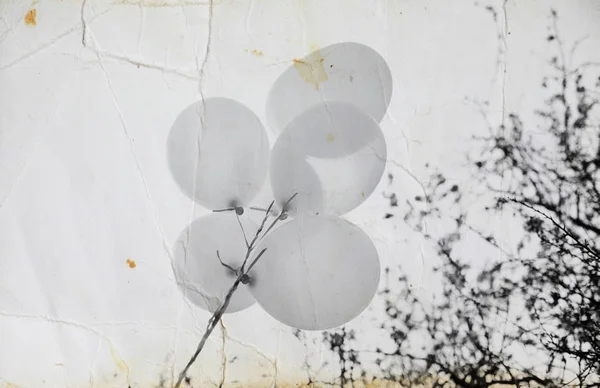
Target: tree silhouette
(531, 317)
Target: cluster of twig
(540, 297)
(242, 273)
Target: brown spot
(130, 263)
(311, 69)
(30, 17)
(254, 52)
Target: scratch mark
(276, 363)
(137, 163)
(208, 43)
(92, 368)
(39, 48)
(138, 63)
(49, 319)
(253, 348)
(407, 171)
(248, 16)
(83, 25)
(200, 68)
(8, 30)
(505, 46)
(223, 353)
(47, 44)
(142, 22)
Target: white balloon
(218, 153)
(333, 155)
(348, 72)
(317, 272)
(257, 209)
(200, 275)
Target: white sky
(85, 185)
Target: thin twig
(242, 275)
(212, 323)
(257, 208)
(256, 236)
(582, 246)
(243, 231)
(255, 260)
(288, 201)
(225, 265)
(224, 210)
(283, 214)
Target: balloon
(218, 153)
(318, 272)
(348, 72)
(200, 275)
(333, 155)
(260, 203)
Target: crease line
(134, 154)
(48, 44)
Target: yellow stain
(31, 17)
(258, 53)
(330, 138)
(118, 361)
(311, 69)
(362, 193)
(131, 263)
(9, 385)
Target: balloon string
(242, 276)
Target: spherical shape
(317, 272)
(218, 153)
(333, 155)
(199, 273)
(348, 72)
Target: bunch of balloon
(309, 268)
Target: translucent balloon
(218, 153)
(348, 72)
(333, 155)
(199, 273)
(317, 272)
(260, 203)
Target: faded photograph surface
(263, 193)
